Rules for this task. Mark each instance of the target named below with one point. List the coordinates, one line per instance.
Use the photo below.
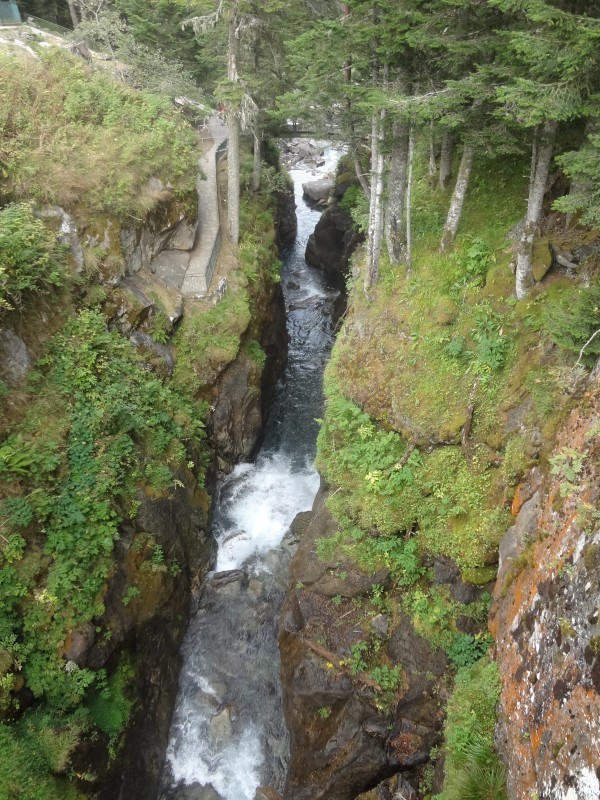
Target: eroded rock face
(330, 246)
(546, 624)
(342, 742)
(168, 227)
(14, 357)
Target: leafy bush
(471, 266)
(572, 321)
(29, 255)
(351, 198)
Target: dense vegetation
(74, 138)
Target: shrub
(472, 767)
(572, 321)
(73, 136)
(29, 255)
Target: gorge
(324, 529)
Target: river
(228, 735)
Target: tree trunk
(372, 193)
(375, 205)
(432, 164)
(233, 131)
(256, 169)
(540, 166)
(458, 198)
(361, 178)
(446, 159)
(411, 154)
(394, 222)
(73, 13)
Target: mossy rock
(479, 576)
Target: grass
(472, 768)
(73, 137)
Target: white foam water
(232, 770)
(261, 501)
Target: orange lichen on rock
(547, 628)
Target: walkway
(190, 273)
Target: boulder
(332, 243)
(14, 357)
(319, 190)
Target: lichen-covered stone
(546, 625)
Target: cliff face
(346, 735)
(545, 620)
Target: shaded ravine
(228, 734)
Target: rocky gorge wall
(545, 619)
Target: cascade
(228, 735)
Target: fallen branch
(589, 341)
(331, 657)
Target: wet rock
(298, 152)
(14, 357)
(354, 746)
(266, 793)
(319, 190)
(381, 624)
(193, 792)
(237, 417)
(516, 537)
(78, 644)
(334, 240)
(445, 570)
(67, 233)
(220, 728)
(159, 351)
(286, 222)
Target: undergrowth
(71, 469)
(74, 136)
(472, 768)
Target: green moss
(515, 461)
(109, 708)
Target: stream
(228, 734)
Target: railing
(47, 26)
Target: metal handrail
(44, 24)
